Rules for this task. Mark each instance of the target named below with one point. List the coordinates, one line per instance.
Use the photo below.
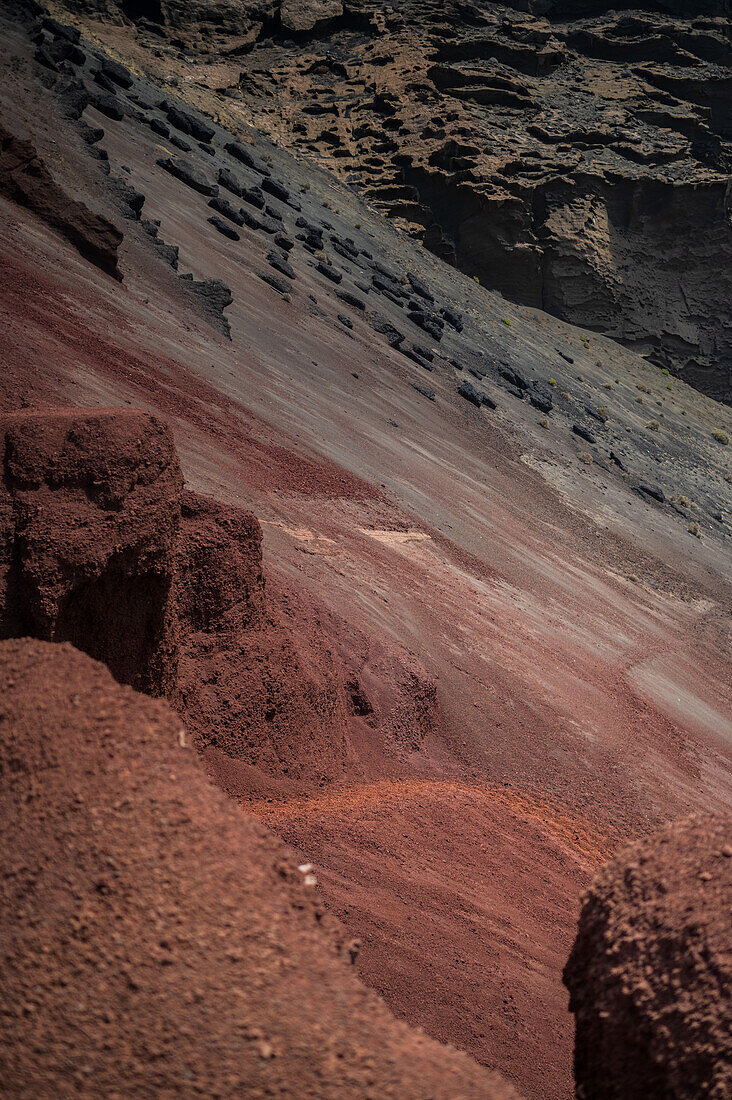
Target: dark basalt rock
(107, 105)
(213, 296)
(26, 180)
(231, 182)
(254, 196)
(351, 299)
(655, 492)
(275, 282)
(187, 174)
(284, 242)
(224, 227)
(381, 325)
(468, 391)
(158, 127)
(190, 124)
(279, 263)
(329, 272)
(583, 433)
(276, 188)
(429, 394)
(240, 152)
(221, 206)
(115, 72)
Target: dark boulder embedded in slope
(188, 174)
(280, 263)
(224, 228)
(650, 972)
(245, 156)
(25, 178)
(213, 296)
(89, 515)
(223, 207)
(190, 124)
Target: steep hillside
(494, 545)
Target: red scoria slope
(155, 940)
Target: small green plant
(694, 529)
(665, 370)
(586, 457)
(720, 436)
(653, 426)
(543, 423)
(507, 321)
(639, 400)
(669, 387)
(607, 385)
(287, 297)
(552, 381)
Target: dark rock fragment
(429, 394)
(275, 282)
(583, 433)
(240, 152)
(224, 227)
(329, 272)
(653, 491)
(190, 124)
(107, 105)
(221, 206)
(351, 299)
(231, 182)
(279, 263)
(188, 175)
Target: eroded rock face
(26, 179)
(155, 938)
(89, 511)
(650, 973)
(573, 155)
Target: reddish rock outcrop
(89, 516)
(650, 974)
(155, 939)
(25, 178)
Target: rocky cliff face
(572, 157)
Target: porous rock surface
(650, 973)
(574, 156)
(156, 940)
(89, 515)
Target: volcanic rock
(650, 971)
(25, 178)
(90, 514)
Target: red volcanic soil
(525, 665)
(155, 940)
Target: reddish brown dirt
(155, 940)
(650, 974)
(432, 874)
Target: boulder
(650, 973)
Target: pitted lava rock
(650, 974)
(89, 515)
(156, 940)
